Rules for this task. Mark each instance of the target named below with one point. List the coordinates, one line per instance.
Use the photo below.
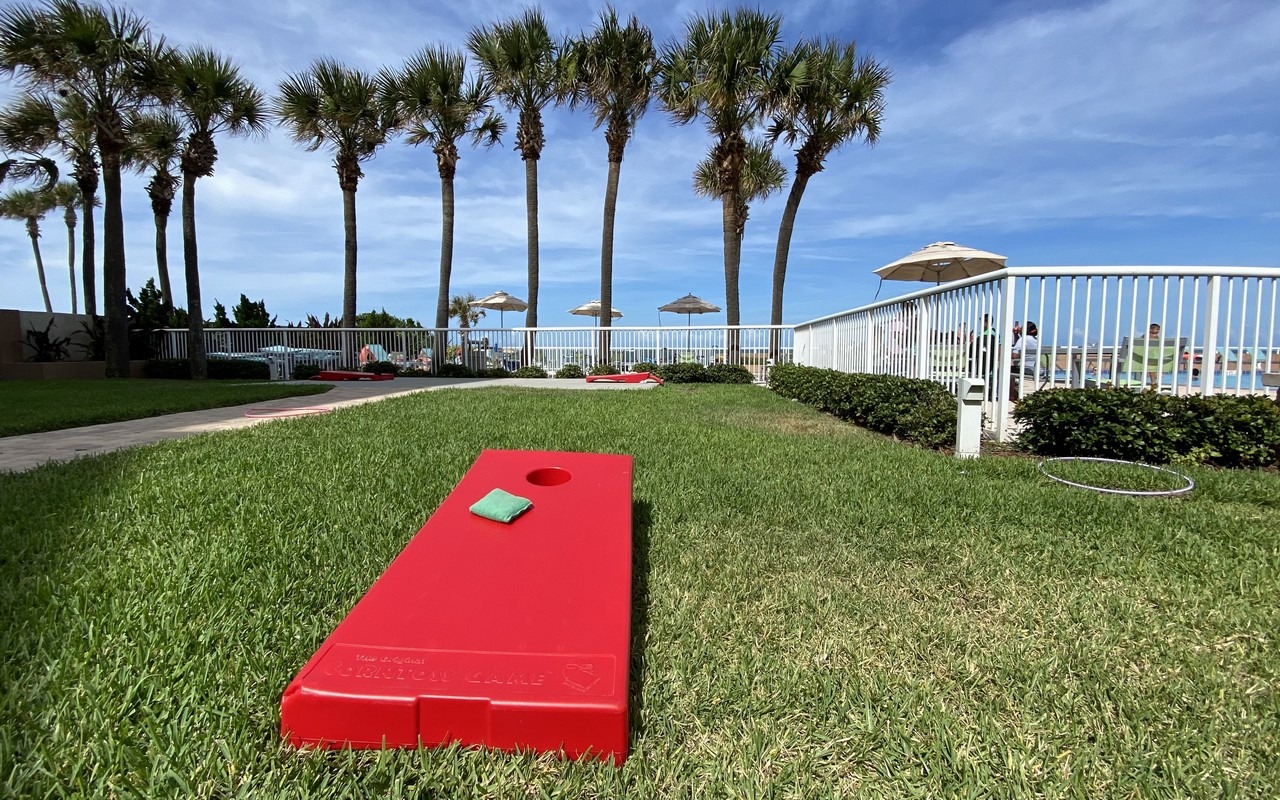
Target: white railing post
(1208, 360)
(922, 332)
(1004, 366)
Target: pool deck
(20, 453)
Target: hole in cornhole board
(549, 476)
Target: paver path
(19, 453)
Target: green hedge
(644, 366)
(302, 372)
(908, 408)
(381, 368)
(219, 369)
(729, 373)
(683, 373)
(533, 371)
(454, 371)
(570, 371)
(1223, 430)
(604, 369)
(493, 372)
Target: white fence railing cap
(1058, 272)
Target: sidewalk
(19, 453)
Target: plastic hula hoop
(283, 413)
(1129, 492)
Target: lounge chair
(373, 352)
(1140, 358)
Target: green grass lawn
(34, 406)
(818, 612)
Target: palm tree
(36, 123)
(26, 168)
(210, 97)
(762, 175)
(155, 145)
(105, 59)
(67, 196)
(525, 68)
(438, 105)
(336, 107)
(615, 68)
(720, 73)
(467, 314)
(840, 99)
(30, 206)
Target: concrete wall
(15, 324)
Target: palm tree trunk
(349, 259)
(87, 271)
(446, 267)
(114, 283)
(33, 230)
(732, 260)
(780, 257)
(531, 220)
(70, 216)
(606, 260)
(162, 257)
(191, 261)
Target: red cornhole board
(512, 636)
(625, 377)
(350, 375)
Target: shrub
(493, 372)
(381, 368)
(530, 372)
(238, 369)
(302, 372)
(683, 373)
(1153, 428)
(415, 372)
(454, 371)
(604, 369)
(644, 366)
(167, 368)
(219, 369)
(911, 409)
(570, 371)
(729, 373)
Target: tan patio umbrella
(941, 261)
(500, 302)
(593, 309)
(689, 305)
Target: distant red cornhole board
(512, 636)
(350, 375)
(625, 377)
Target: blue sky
(1055, 133)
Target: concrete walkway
(19, 453)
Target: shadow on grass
(641, 520)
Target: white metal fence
(1217, 332)
(484, 348)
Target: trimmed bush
(238, 370)
(531, 372)
(454, 371)
(604, 369)
(219, 369)
(683, 373)
(729, 373)
(1153, 428)
(570, 371)
(493, 372)
(415, 372)
(644, 366)
(302, 372)
(908, 408)
(381, 368)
